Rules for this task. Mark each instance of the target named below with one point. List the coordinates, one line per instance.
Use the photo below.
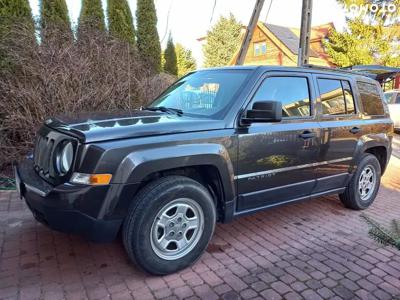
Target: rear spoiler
(381, 74)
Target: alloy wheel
(177, 228)
(367, 182)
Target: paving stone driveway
(311, 250)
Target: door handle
(355, 130)
(307, 134)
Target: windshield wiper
(164, 109)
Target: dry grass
(95, 73)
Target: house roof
(288, 38)
(321, 31)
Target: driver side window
(292, 92)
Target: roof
(318, 32)
(321, 31)
(308, 68)
(288, 38)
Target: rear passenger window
(348, 96)
(332, 97)
(397, 99)
(292, 92)
(370, 99)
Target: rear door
(340, 130)
(277, 160)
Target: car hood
(119, 125)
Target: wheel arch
(207, 175)
(378, 145)
(209, 164)
(380, 152)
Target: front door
(276, 160)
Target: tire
(356, 196)
(158, 225)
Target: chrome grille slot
(43, 152)
(48, 143)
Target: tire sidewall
(367, 160)
(145, 256)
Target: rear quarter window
(370, 99)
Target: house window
(260, 48)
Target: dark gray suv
(217, 144)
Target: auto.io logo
(372, 10)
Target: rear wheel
(169, 224)
(364, 185)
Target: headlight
(92, 179)
(64, 158)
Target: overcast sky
(190, 19)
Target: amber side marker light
(91, 179)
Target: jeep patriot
(217, 144)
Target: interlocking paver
(343, 292)
(311, 295)
(281, 287)
(271, 294)
(248, 294)
(222, 289)
(310, 250)
(382, 295)
(293, 296)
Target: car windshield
(204, 93)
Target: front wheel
(169, 224)
(364, 185)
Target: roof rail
(376, 72)
(327, 68)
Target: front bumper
(66, 207)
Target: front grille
(47, 145)
(43, 155)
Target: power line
(269, 8)
(212, 13)
(167, 23)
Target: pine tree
(147, 35)
(91, 15)
(54, 13)
(170, 65)
(223, 40)
(14, 12)
(185, 60)
(120, 20)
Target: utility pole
(249, 32)
(305, 33)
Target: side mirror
(263, 111)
